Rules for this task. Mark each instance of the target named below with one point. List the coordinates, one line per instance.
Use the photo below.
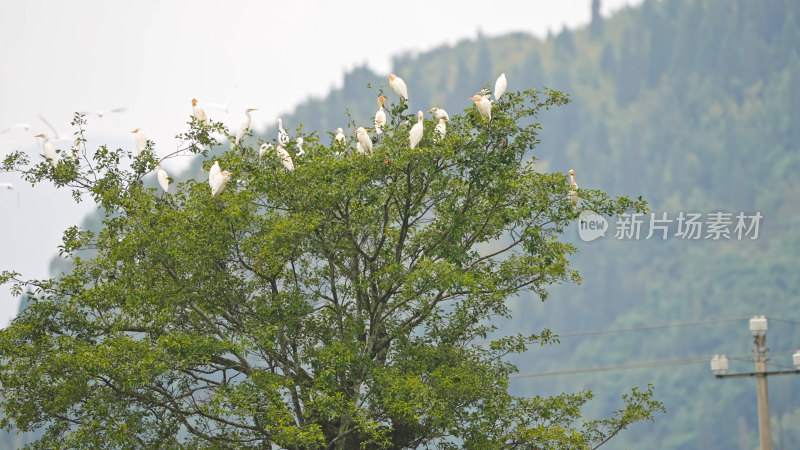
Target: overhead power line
(642, 365)
(653, 327)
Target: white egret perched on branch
(199, 113)
(265, 147)
(218, 185)
(484, 106)
(364, 145)
(339, 136)
(49, 150)
(573, 189)
(283, 136)
(415, 135)
(141, 139)
(398, 86)
(214, 171)
(163, 178)
(244, 127)
(439, 113)
(500, 86)
(300, 151)
(440, 130)
(380, 116)
(286, 158)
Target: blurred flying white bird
(415, 135)
(500, 86)
(398, 86)
(300, 151)
(49, 150)
(484, 106)
(440, 130)
(57, 135)
(380, 116)
(286, 158)
(364, 145)
(283, 136)
(102, 112)
(10, 187)
(218, 183)
(222, 106)
(573, 189)
(163, 178)
(141, 140)
(24, 126)
(339, 136)
(265, 147)
(199, 113)
(244, 127)
(439, 113)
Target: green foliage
(335, 305)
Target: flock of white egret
(218, 178)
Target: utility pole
(719, 364)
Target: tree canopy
(345, 304)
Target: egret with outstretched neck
(49, 150)
(415, 135)
(283, 136)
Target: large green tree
(345, 304)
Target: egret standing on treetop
(380, 116)
(339, 136)
(163, 178)
(573, 189)
(398, 86)
(213, 173)
(141, 139)
(300, 151)
(49, 150)
(218, 183)
(286, 158)
(244, 127)
(415, 135)
(500, 86)
(440, 130)
(198, 113)
(364, 145)
(484, 106)
(439, 113)
(265, 147)
(283, 136)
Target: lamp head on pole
(758, 325)
(719, 364)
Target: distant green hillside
(691, 104)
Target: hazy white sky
(153, 57)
